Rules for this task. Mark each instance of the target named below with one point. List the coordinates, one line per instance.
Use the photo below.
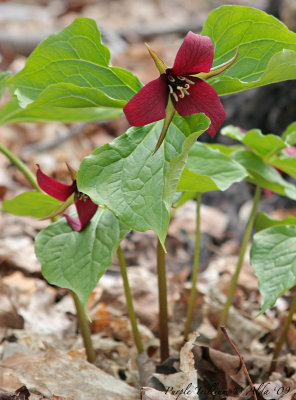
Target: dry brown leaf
(56, 373)
(19, 252)
(9, 315)
(218, 371)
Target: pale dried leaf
(146, 368)
(182, 384)
(148, 393)
(55, 373)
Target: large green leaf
(264, 175)
(273, 257)
(267, 48)
(135, 184)
(264, 221)
(208, 169)
(77, 260)
(31, 204)
(48, 107)
(68, 76)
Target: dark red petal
(86, 210)
(148, 105)
(195, 55)
(202, 98)
(54, 188)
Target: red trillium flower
(68, 194)
(181, 88)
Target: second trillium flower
(181, 88)
(68, 194)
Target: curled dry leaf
(182, 384)
(220, 372)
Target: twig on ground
(223, 329)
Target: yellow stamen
(189, 81)
(175, 96)
(181, 95)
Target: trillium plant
(132, 183)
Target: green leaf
(286, 164)
(273, 257)
(31, 204)
(265, 146)
(264, 175)
(267, 48)
(264, 221)
(135, 184)
(77, 260)
(48, 107)
(290, 134)
(3, 79)
(227, 150)
(70, 73)
(208, 169)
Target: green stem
(84, 329)
(21, 166)
(283, 336)
(129, 302)
(194, 269)
(162, 301)
(234, 280)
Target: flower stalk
(129, 302)
(20, 166)
(194, 269)
(283, 336)
(84, 328)
(242, 252)
(162, 301)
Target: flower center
(79, 195)
(178, 86)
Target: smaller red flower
(181, 88)
(68, 194)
